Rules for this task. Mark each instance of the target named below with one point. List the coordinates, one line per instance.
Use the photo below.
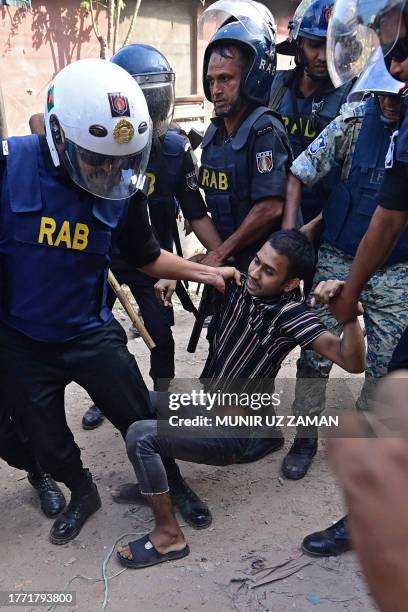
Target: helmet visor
(252, 15)
(106, 176)
(356, 29)
(160, 98)
(375, 79)
(296, 21)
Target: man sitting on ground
(261, 321)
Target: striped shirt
(254, 335)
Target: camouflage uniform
(385, 297)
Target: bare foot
(163, 542)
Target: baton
(131, 311)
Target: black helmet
(251, 26)
(153, 73)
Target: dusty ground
(259, 522)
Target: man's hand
(326, 291)
(331, 293)
(226, 273)
(164, 290)
(212, 259)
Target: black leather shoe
(71, 521)
(51, 497)
(330, 542)
(92, 418)
(260, 447)
(299, 458)
(193, 509)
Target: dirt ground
(249, 559)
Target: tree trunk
(3, 122)
(104, 53)
(111, 10)
(132, 23)
(117, 22)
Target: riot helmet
(358, 28)
(251, 27)
(311, 20)
(97, 125)
(153, 73)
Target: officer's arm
(173, 267)
(327, 151)
(139, 247)
(349, 351)
(385, 228)
(263, 217)
(206, 232)
(292, 203)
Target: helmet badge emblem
(123, 132)
(119, 105)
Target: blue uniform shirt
(56, 243)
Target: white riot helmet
(97, 124)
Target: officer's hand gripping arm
(261, 220)
(349, 351)
(173, 267)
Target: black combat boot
(92, 418)
(51, 497)
(328, 543)
(299, 458)
(84, 502)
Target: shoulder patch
(5, 149)
(319, 143)
(264, 161)
(191, 180)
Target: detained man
(261, 321)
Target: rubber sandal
(128, 493)
(145, 554)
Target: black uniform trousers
(33, 377)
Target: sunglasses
(96, 160)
